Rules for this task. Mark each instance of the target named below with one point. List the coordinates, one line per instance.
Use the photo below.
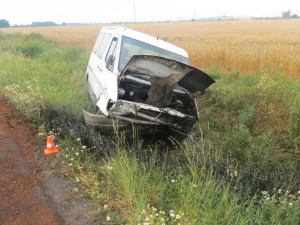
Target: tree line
(288, 14)
(5, 23)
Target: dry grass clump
(246, 46)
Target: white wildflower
(235, 173)
(108, 218)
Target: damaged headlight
(121, 108)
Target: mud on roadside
(32, 193)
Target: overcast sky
(99, 11)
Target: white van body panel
(103, 81)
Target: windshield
(130, 47)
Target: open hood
(169, 72)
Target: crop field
(247, 46)
(241, 161)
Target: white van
(134, 78)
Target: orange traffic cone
(50, 147)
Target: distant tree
(42, 24)
(4, 23)
(286, 14)
(294, 16)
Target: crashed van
(134, 79)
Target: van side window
(111, 54)
(98, 42)
(103, 45)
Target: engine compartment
(141, 89)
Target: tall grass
(42, 78)
(239, 166)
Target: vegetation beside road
(240, 165)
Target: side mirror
(109, 61)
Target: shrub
(31, 48)
(34, 36)
(32, 45)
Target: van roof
(145, 38)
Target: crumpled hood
(190, 78)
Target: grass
(239, 166)
(45, 77)
(247, 46)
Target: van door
(109, 78)
(95, 71)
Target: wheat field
(247, 46)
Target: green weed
(294, 121)
(32, 45)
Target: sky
(106, 11)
